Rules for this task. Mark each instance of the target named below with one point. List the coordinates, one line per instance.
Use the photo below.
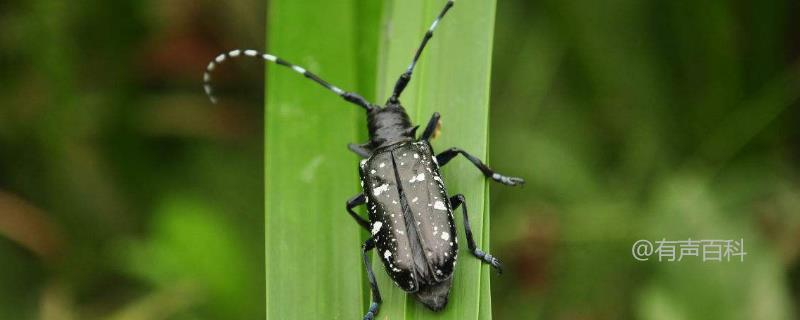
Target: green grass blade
(313, 265)
(452, 78)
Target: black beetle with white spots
(410, 213)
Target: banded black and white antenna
(348, 96)
(401, 83)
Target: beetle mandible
(410, 213)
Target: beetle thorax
(389, 125)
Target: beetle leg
(445, 157)
(376, 295)
(458, 200)
(430, 129)
(355, 202)
(359, 150)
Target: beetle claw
(497, 265)
(490, 259)
(494, 262)
(373, 310)
(509, 181)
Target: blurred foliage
(646, 120)
(153, 196)
(125, 195)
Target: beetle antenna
(348, 96)
(401, 83)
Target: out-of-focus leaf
(29, 226)
(193, 245)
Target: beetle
(410, 211)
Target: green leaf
(313, 262)
(314, 270)
(452, 78)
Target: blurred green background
(125, 195)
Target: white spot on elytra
(445, 236)
(387, 254)
(382, 165)
(419, 177)
(384, 187)
(416, 156)
(376, 227)
(438, 205)
(415, 199)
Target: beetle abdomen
(410, 214)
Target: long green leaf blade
(313, 264)
(452, 78)
(313, 267)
